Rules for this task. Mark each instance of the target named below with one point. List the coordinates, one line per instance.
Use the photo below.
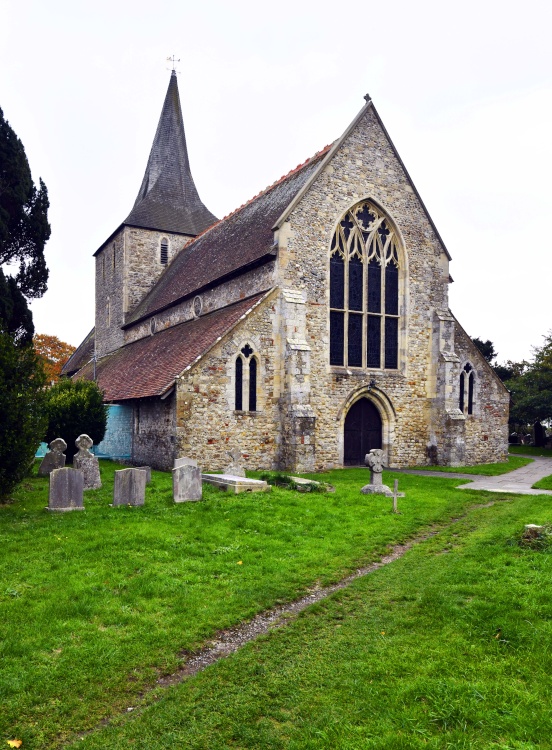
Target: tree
(75, 407)
(24, 228)
(53, 354)
(22, 416)
(532, 389)
(486, 348)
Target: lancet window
(467, 378)
(245, 380)
(364, 290)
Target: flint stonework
(186, 484)
(66, 490)
(87, 463)
(129, 487)
(55, 459)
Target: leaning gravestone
(66, 490)
(236, 468)
(129, 487)
(184, 461)
(186, 483)
(55, 459)
(87, 463)
(374, 461)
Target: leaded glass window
(466, 395)
(246, 376)
(239, 384)
(364, 290)
(252, 384)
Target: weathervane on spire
(173, 60)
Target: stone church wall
(212, 299)
(486, 430)
(153, 441)
(207, 424)
(109, 296)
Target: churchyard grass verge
(543, 484)
(487, 470)
(445, 648)
(530, 450)
(96, 605)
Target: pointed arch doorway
(362, 432)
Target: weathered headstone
(87, 463)
(232, 483)
(55, 459)
(147, 469)
(66, 490)
(186, 484)
(236, 468)
(129, 487)
(184, 461)
(374, 461)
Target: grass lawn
(448, 647)
(488, 470)
(543, 484)
(529, 450)
(96, 605)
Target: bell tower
(167, 213)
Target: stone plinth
(235, 484)
(129, 487)
(187, 484)
(66, 490)
(55, 459)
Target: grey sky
(465, 91)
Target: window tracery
(364, 290)
(467, 381)
(245, 379)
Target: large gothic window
(364, 290)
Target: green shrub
(75, 407)
(22, 416)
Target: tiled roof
(82, 354)
(243, 238)
(168, 199)
(149, 366)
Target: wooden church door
(362, 432)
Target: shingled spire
(168, 200)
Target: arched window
(252, 384)
(164, 252)
(364, 290)
(467, 377)
(245, 380)
(239, 384)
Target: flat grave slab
(232, 483)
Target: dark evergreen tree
(532, 389)
(75, 407)
(486, 348)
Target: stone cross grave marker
(55, 459)
(87, 463)
(236, 468)
(187, 484)
(129, 487)
(374, 461)
(66, 490)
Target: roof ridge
(284, 177)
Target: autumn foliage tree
(53, 354)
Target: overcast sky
(464, 89)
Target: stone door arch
(362, 431)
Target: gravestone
(87, 463)
(184, 461)
(235, 469)
(55, 459)
(374, 461)
(186, 483)
(236, 484)
(66, 490)
(129, 487)
(147, 469)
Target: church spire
(168, 200)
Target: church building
(306, 328)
